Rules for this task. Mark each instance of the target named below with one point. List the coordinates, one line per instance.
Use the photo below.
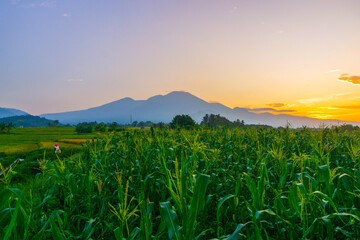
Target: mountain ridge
(162, 108)
(27, 121)
(10, 112)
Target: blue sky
(69, 55)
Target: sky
(299, 57)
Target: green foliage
(100, 127)
(113, 126)
(29, 121)
(160, 125)
(27, 139)
(84, 129)
(6, 127)
(213, 120)
(54, 123)
(2, 127)
(345, 127)
(193, 184)
(182, 121)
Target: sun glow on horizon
(341, 106)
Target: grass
(75, 141)
(12, 148)
(201, 184)
(50, 145)
(33, 143)
(28, 139)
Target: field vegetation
(34, 143)
(14, 141)
(193, 184)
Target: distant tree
(6, 127)
(84, 129)
(2, 127)
(100, 127)
(345, 127)
(182, 121)
(9, 126)
(239, 123)
(213, 120)
(141, 124)
(161, 125)
(56, 123)
(113, 126)
(88, 123)
(134, 123)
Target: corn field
(199, 184)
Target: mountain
(162, 108)
(9, 112)
(27, 121)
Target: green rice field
(29, 139)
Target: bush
(84, 129)
(182, 121)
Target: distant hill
(162, 108)
(9, 112)
(27, 121)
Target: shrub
(182, 121)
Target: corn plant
(249, 183)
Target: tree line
(178, 122)
(210, 121)
(89, 127)
(6, 127)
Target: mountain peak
(9, 112)
(175, 96)
(163, 108)
(127, 99)
(179, 93)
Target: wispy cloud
(323, 116)
(34, 3)
(75, 80)
(321, 99)
(65, 15)
(312, 100)
(351, 107)
(258, 110)
(30, 5)
(48, 3)
(330, 108)
(351, 79)
(276, 105)
(335, 70)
